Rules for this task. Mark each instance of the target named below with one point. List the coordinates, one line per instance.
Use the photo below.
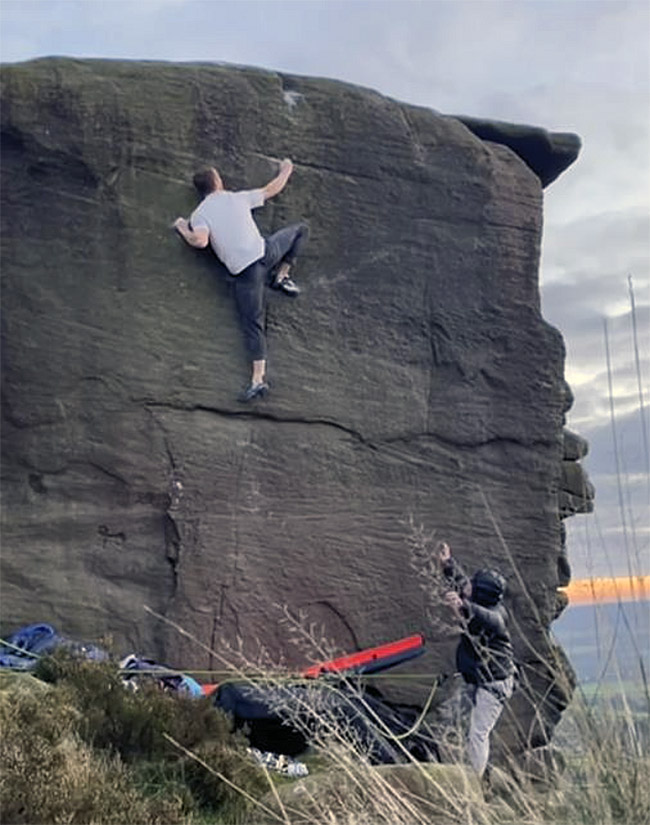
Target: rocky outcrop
(576, 491)
(548, 154)
(575, 496)
(413, 383)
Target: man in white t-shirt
(223, 219)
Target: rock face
(414, 379)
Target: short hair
(204, 182)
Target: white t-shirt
(234, 235)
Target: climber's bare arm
(194, 237)
(275, 186)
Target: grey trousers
(250, 296)
(468, 712)
(486, 710)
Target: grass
(88, 750)
(608, 764)
(78, 747)
(596, 780)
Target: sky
(578, 66)
(606, 590)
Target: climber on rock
(484, 658)
(223, 219)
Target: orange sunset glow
(601, 590)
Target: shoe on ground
(254, 391)
(288, 286)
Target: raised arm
(194, 237)
(275, 186)
(492, 618)
(452, 572)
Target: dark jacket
(484, 653)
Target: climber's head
(208, 181)
(488, 587)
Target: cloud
(585, 268)
(607, 246)
(631, 445)
(615, 539)
(588, 372)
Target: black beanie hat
(488, 587)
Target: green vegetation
(78, 747)
(88, 750)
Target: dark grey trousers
(281, 247)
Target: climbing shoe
(288, 286)
(254, 391)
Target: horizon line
(604, 589)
